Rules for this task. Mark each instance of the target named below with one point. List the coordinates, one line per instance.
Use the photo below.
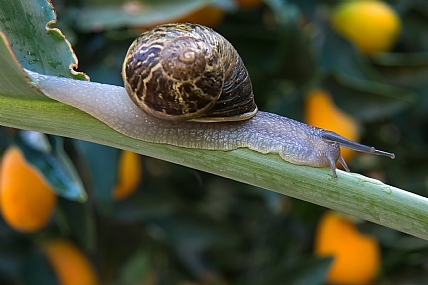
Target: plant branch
(351, 193)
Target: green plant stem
(351, 193)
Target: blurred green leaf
(78, 220)
(137, 269)
(367, 100)
(37, 270)
(56, 167)
(101, 162)
(184, 230)
(402, 69)
(102, 15)
(414, 18)
(27, 26)
(14, 251)
(192, 237)
(294, 58)
(143, 207)
(285, 100)
(408, 243)
(308, 7)
(35, 140)
(305, 271)
(338, 55)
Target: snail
(185, 85)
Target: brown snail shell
(188, 71)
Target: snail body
(229, 122)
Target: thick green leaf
(13, 82)
(37, 47)
(25, 43)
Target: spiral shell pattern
(188, 71)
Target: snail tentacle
(333, 137)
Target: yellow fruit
(129, 175)
(320, 111)
(70, 265)
(26, 200)
(372, 25)
(356, 256)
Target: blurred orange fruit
(356, 256)
(320, 111)
(248, 4)
(26, 200)
(129, 175)
(372, 25)
(69, 263)
(209, 16)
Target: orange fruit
(26, 200)
(209, 16)
(69, 263)
(129, 175)
(248, 4)
(320, 111)
(356, 256)
(372, 25)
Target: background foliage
(183, 226)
